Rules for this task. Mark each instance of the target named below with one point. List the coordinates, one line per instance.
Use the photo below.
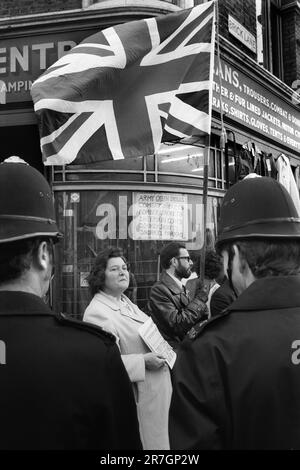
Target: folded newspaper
(157, 344)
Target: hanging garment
(286, 178)
(257, 159)
(244, 164)
(269, 165)
(258, 167)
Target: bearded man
(170, 305)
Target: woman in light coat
(148, 372)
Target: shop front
(140, 204)
(260, 114)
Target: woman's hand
(154, 361)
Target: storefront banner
(22, 60)
(244, 100)
(247, 102)
(160, 216)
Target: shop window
(178, 160)
(231, 165)
(106, 3)
(269, 36)
(139, 222)
(181, 160)
(174, 163)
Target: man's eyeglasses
(184, 257)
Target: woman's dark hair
(270, 257)
(16, 257)
(96, 278)
(213, 265)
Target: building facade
(142, 203)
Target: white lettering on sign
(19, 85)
(251, 104)
(152, 216)
(107, 227)
(160, 216)
(42, 48)
(19, 58)
(2, 353)
(228, 74)
(241, 33)
(296, 354)
(2, 59)
(31, 60)
(2, 92)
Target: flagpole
(206, 168)
(204, 202)
(223, 141)
(223, 137)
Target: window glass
(276, 39)
(259, 32)
(139, 222)
(170, 164)
(133, 163)
(179, 158)
(269, 36)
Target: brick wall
(291, 44)
(289, 49)
(245, 13)
(28, 7)
(297, 42)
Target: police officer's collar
(269, 293)
(22, 303)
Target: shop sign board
(241, 33)
(251, 104)
(23, 59)
(244, 100)
(160, 216)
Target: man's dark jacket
(237, 378)
(172, 309)
(62, 383)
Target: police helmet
(26, 203)
(257, 208)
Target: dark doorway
(22, 141)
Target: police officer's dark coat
(237, 379)
(62, 383)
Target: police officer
(237, 378)
(62, 382)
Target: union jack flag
(126, 89)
